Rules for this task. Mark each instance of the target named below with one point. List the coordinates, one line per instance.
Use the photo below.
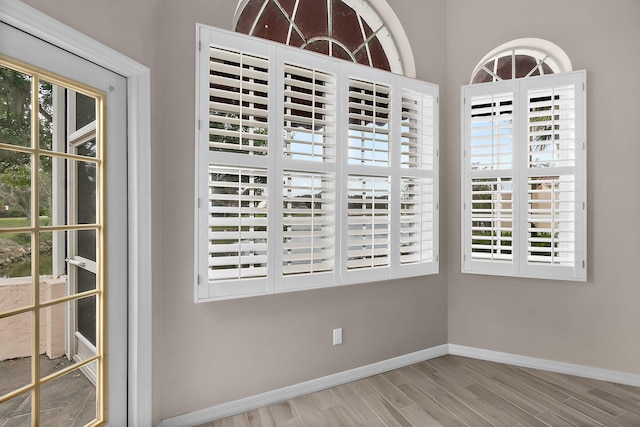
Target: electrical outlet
(337, 336)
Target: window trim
(281, 55)
(520, 267)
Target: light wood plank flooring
(456, 391)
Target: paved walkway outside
(66, 401)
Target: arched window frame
(543, 51)
(382, 19)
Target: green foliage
(15, 129)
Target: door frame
(40, 25)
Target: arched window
(348, 29)
(521, 58)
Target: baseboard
(268, 398)
(545, 365)
(290, 392)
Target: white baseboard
(268, 398)
(546, 365)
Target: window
(521, 58)
(524, 177)
(346, 29)
(311, 171)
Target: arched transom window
(346, 29)
(519, 59)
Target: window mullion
(520, 199)
(275, 171)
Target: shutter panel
(551, 217)
(308, 231)
(416, 220)
(491, 144)
(238, 98)
(368, 230)
(237, 223)
(309, 114)
(492, 219)
(551, 128)
(551, 181)
(417, 142)
(369, 119)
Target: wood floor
(456, 391)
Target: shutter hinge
(437, 100)
(437, 258)
(464, 257)
(198, 279)
(584, 206)
(437, 206)
(464, 101)
(200, 45)
(583, 87)
(437, 153)
(584, 264)
(584, 145)
(198, 202)
(199, 124)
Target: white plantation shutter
(311, 171)
(524, 176)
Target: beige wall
(594, 323)
(208, 354)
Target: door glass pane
(87, 244)
(46, 114)
(15, 261)
(86, 307)
(85, 110)
(15, 188)
(86, 192)
(15, 352)
(16, 411)
(15, 107)
(64, 398)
